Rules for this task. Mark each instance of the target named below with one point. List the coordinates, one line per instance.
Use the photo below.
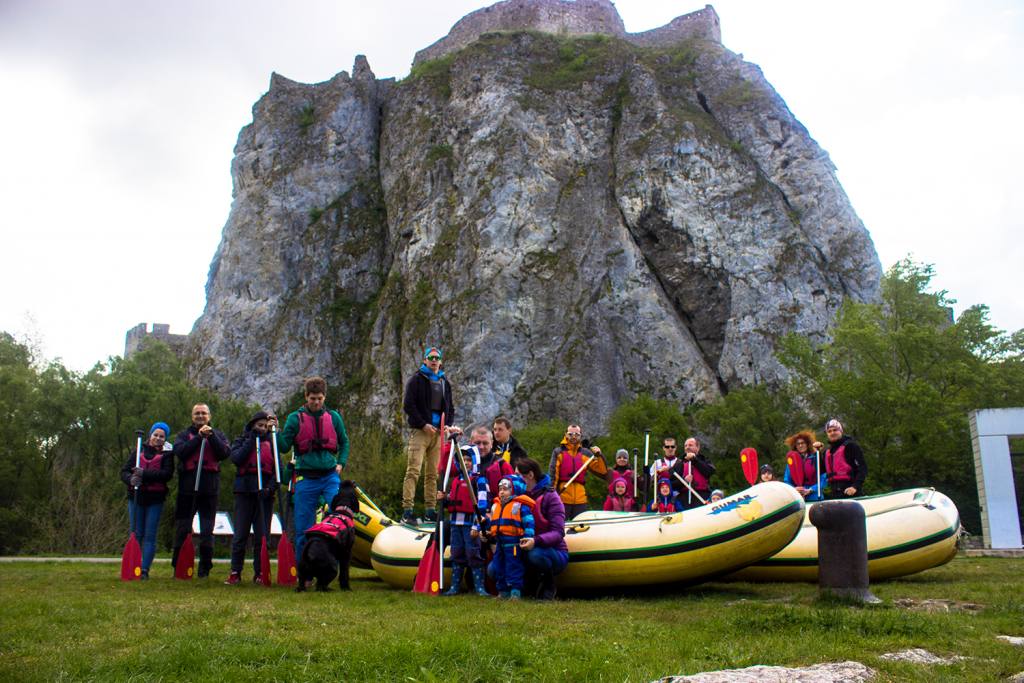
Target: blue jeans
(547, 560)
(144, 521)
(307, 495)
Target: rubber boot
(479, 584)
(457, 572)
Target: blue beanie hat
(426, 351)
(163, 426)
(518, 484)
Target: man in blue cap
(428, 396)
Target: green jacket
(314, 460)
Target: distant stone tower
(137, 336)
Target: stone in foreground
(839, 672)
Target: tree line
(900, 374)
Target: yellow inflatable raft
(908, 531)
(370, 521)
(608, 549)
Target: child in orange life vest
(620, 497)
(511, 521)
(667, 500)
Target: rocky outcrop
(576, 220)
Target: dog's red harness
(333, 525)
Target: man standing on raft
(428, 395)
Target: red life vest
(495, 471)
(620, 503)
(700, 482)
(332, 526)
(210, 463)
(152, 464)
(266, 459)
(836, 466)
(663, 507)
(460, 497)
(507, 519)
(312, 430)
(809, 466)
(570, 465)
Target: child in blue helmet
(511, 520)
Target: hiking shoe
(514, 594)
(234, 579)
(144, 576)
(430, 516)
(256, 579)
(407, 517)
(503, 594)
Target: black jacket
(240, 450)
(163, 475)
(186, 444)
(855, 457)
(417, 401)
(515, 451)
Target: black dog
(328, 549)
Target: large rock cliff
(576, 215)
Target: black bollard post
(842, 550)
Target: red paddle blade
(131, 560)
(796, 468)
(748, 460)
(428, 574)
(264, 563)
(186, 566)
(286, 573)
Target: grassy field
(65, 621)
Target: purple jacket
(548, 517)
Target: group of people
(491, 491)
(320, 447)
(500, 494)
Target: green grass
(78, 622)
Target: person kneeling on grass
(546, 553)
(511, 524)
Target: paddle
(578, 472)
(687, 485)
(430, 572)
(650, 490)
(286, 572)
(131, 557)
(264, 552)
(748, 460)
(795, 463)
(185, 567)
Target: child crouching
(511, 521)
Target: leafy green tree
(902, 375)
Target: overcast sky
(119, 120)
